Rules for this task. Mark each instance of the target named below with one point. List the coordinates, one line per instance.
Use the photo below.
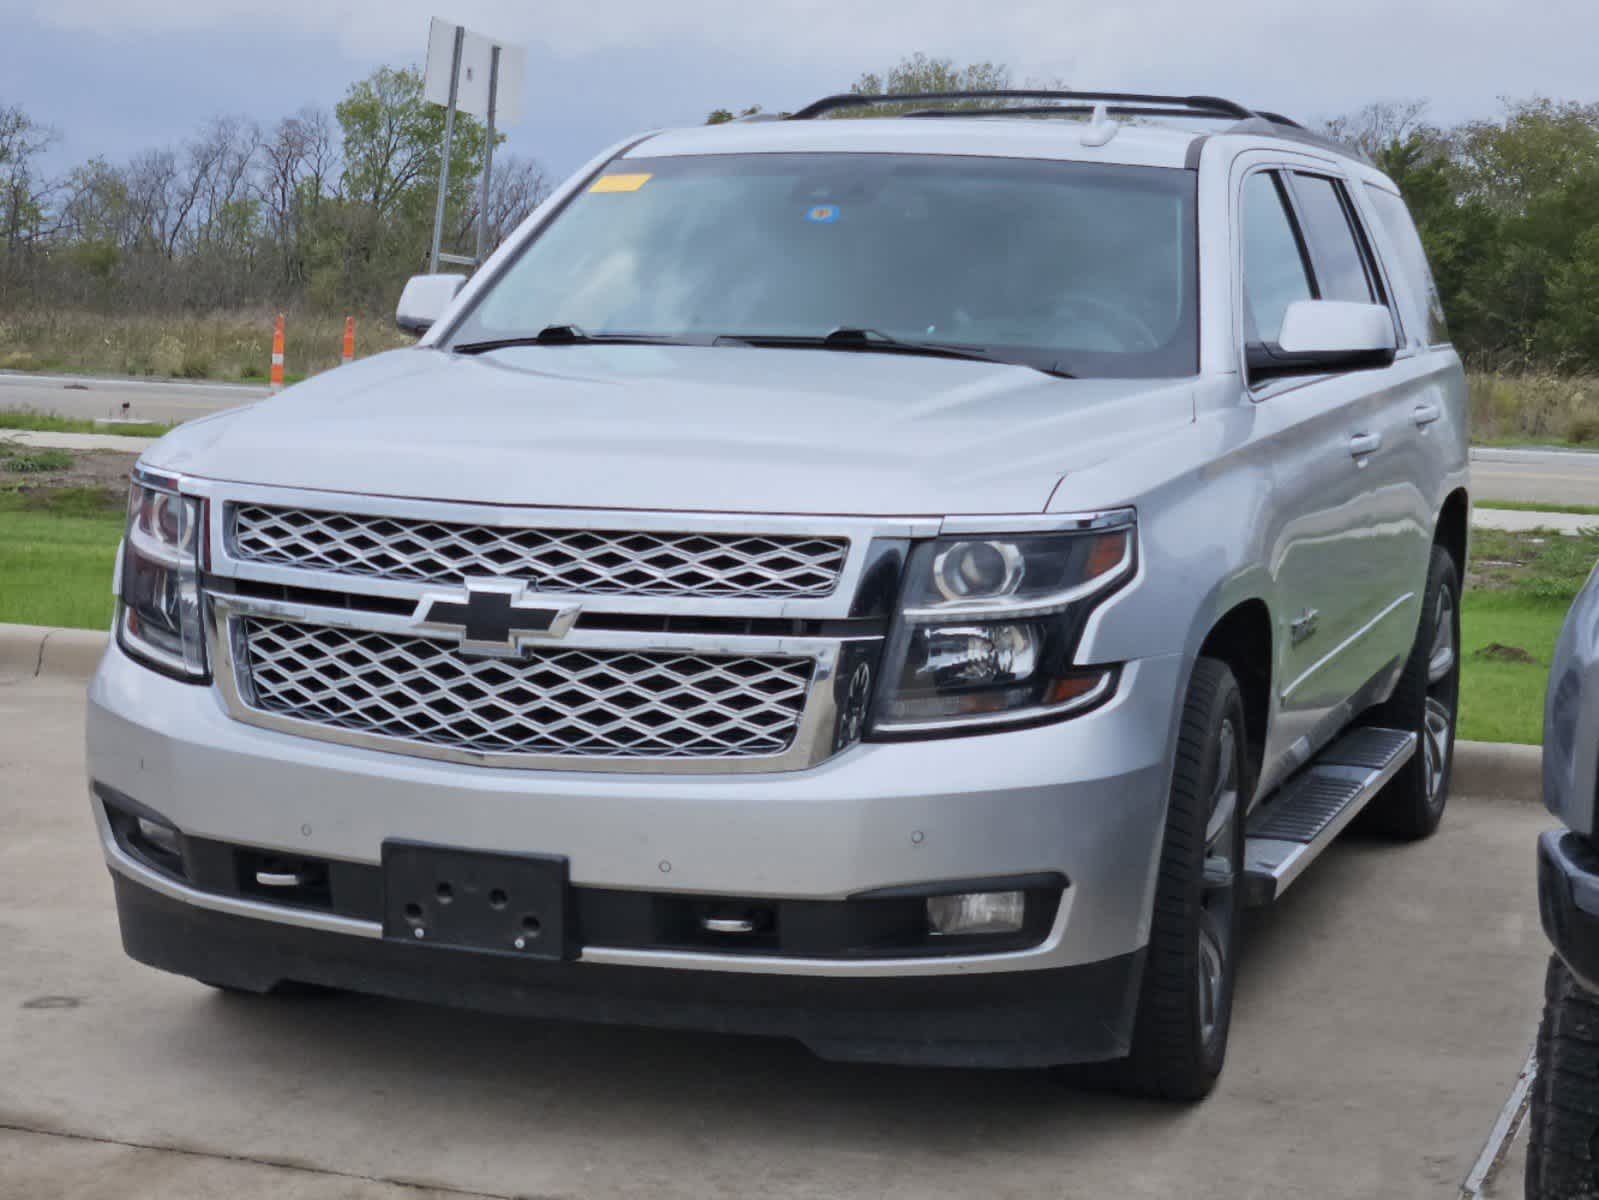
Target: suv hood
(726, 429)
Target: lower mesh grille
(556, 701)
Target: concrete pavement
(1385, 1008)
(1517, 521)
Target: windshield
(1075, 267)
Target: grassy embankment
(57, 549)
(227, 346)
(1534, 409)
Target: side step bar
(1301, 819)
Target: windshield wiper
(570, 335)
(874, 341)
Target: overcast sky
(116, 76)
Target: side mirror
(424, 300)
(1320, 336)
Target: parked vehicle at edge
(1565, 1092)
(904, 584)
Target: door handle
(1426, 414)
(1363, 444)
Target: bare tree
(516, 188)
(23, 191)
(1378, 126)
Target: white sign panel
(472, 88)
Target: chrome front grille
(578, 703)
(630, 562)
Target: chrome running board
(1298, 822)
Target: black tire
(1177, 1053)
(1426, 702)
(1563, 1138)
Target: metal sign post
(444, 160)
(488, 157)
(484, 79)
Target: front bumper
(1568, 900)
(1036, 1019)
(1084, 798)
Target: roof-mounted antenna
(1100, 128)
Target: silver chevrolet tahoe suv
(901, 583)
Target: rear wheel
(1424, 702)
(1186, 999)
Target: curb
(41, 651)
(1501, 769)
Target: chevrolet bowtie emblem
(493, 617)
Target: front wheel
(1186, 999)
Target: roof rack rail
(1279, 119)
(1264, 125)
(1207, 106)
(1123, 104)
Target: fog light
(158, 837)
(976, 912)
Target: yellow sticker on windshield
(619, 183)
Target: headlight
(158, 620)
(989, 625)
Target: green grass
(57, 551)
(38, 422)
(1503, 701)
(33, 461)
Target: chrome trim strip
(814, 739)
(1349, 641)
(1113, 518)
(860, 532)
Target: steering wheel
(1129, 329)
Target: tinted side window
(1426, 309)
(1340, 265)
(1274, 264)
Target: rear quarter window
(1423, 307)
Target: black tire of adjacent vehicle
(1404, 809)
(1563, 1138)
(1171, 1059)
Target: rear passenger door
(1341, 533)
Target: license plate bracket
(512, 904)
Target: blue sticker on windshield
(823, 214)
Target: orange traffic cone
(349, 341)
(277, 355)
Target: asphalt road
(1542, 476)
(1385, 1008)
(145, 400)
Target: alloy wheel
(1438, 718)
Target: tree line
(333, 212)
(330, 212)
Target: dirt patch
(104, 469)
(1499, 652)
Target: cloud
(599, 69)
(1355, 48)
